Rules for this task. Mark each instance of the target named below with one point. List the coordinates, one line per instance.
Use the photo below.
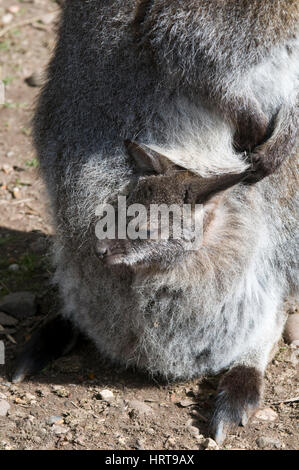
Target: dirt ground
(62, 407)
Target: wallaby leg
(54, 339)
(239, 395)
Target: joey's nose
(102, 250)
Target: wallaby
(223, 51)
(116, 118)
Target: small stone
(106, 395)
(267, 414)
(19, 304)
(60, 391)
(210, 444)
(58, 429)
(264, 442)
(7, 18)
(14, 9)
(192, 428)
(140, 407)
(35, 80)
(28, 397)
(16, 192)
(294, 344)
(4, 407)
(186, 403)
(48, 18)
(55, 420)
(7, 168)
(291, 330)
(13, 267)
(7, 320)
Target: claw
(238, 397)
(220, 433)
(54, 339)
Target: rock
(16, 192)
(192, 428)
(7, 168)
(55, 420)
(14, 9)
(106, 395)
(140, 407)
(186, 403)
(29, 398)
(60, 391)
(7, 320)
(48, 18)
(294, 344)
(267, 414)
(294, 358)
(19, 304)
(58, 429)
(264, 442)
(291, 330)
(13, 267)
(209, 444)
(4, 407)
(35, 80)
(6, 19)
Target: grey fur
(207, 311)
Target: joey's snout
(111, 251)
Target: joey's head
(161, 219)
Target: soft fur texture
(221, 306)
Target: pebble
(19, 304)
(4, 407)
(7, 320)
(58, 429)
(210, 444)
(60, 391)
(48, 18)
(14, 9)
(13, 267)
(186, 403)
(291, 330)
(106, 395)
(140, 407)
(7, 168)
(7, 18)
(16, 192)
(267, 414)
(264, 442)
(192, 428)
(55, 420)
(29, 397)
(35, 80)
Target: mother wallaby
(170, 102)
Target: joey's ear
(147, 160)
(203, 188)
